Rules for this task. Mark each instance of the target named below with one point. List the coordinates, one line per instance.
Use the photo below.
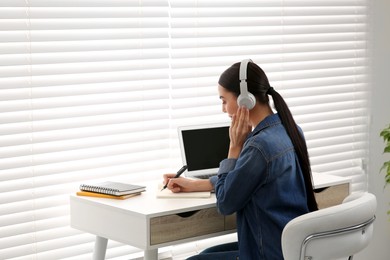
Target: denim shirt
(265, 187)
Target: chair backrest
(331, 233)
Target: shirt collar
(270, 120)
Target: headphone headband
(243, 76)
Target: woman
(266, 179)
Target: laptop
(203, 147)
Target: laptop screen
(204, 147)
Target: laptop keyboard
(205, 176)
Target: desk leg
(151, 254)
(99, 253)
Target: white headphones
(245, 98)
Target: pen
(179, 172)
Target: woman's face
(229, 101)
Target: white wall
(379, 248)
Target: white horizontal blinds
(324, 79)
(94, 89)
(314, 53)
(195, 67)
(84, 92)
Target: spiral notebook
(112, 188)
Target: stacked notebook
(110, 189)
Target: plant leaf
(385, 165)
(385, 133)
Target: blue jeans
(227, 251)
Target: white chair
(336, 232)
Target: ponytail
(298, 142)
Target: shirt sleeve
(225, 165)
(213, 181)
(239, 178)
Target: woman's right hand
(185, 184)
(177, 184)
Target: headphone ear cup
(245, 99)
(248, 101)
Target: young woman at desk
(266, 178)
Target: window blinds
(94, 89)
(314, 53)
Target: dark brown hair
(259, 86)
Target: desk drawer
(230, 222)
(180, 226)
(332, 196)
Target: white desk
(149, 223)
(330, 190)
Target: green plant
(385, 134)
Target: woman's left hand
(239, 130)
